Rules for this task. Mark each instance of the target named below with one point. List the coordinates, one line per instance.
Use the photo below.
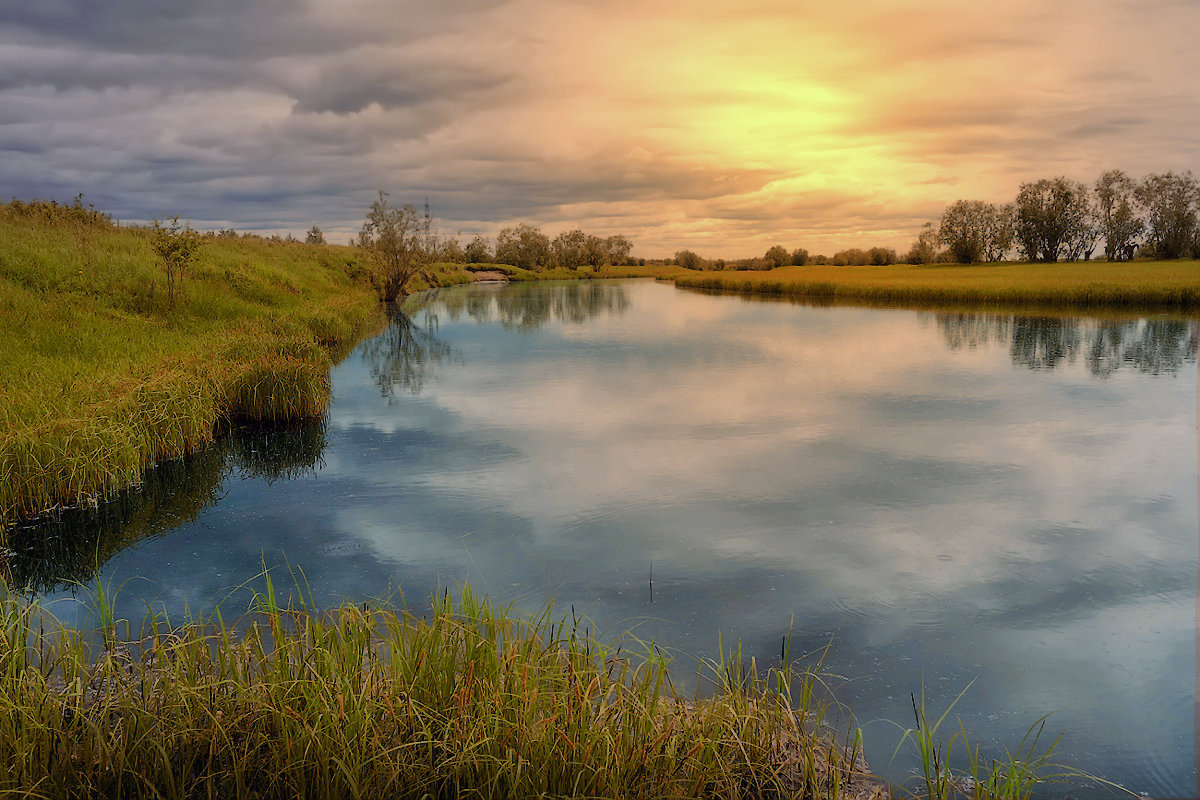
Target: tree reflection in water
(403, 356)
(528, 306)
(1150, 346)
(67, 548)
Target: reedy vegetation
(373, 702)
(1140, 285)
(104, 377)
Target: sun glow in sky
(720, 126)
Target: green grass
(101, 378)
(369, 701)
(1134, 285)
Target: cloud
(718, 125)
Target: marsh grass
(1013, 777)
(1150, 285)
(370, 701)
(102, 378)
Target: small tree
(618, 248)
(1171, 203)
(689, 260)
(176, 248)
(1116, 213)
(963, 230)
(778, 256)
(315, 236)
(479, 251)
(400, 243)
(524, 246)
(924, 250)
(799, 257)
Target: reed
(1149, 285)
(102, 378)
(370, 701)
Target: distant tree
(1117, 215)
(619, 249)
(314, 236)
(1170, 202)
(799, 257)
(881, 256)
(176, 248)
(479, 251)
(777, 256)
(1083, 230)
(596, 253)
(569, 249)
(689, 260)
(925, 249)
(963, 230)
(1048, 216)
(998, 231)
(400, 244)
(523, 246)
(450, 251)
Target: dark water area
(947, 500)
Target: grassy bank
(102, 378)
(1135, 285)
(372, 702)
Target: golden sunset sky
(722, 127)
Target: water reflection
(50, 554)
(1150, 346)
(529, 306)
(404, 355)
(860, 476)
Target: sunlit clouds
(723, 127)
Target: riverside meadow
(103, 379)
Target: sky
(721, 126)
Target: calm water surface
(946, 498)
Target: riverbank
(373, 702)
(102, 377)
(1133, 286)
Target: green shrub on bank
(102, 377)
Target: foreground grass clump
(1137, 284)
(102, 376)
(372, 702)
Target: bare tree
(401, 246)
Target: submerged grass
(369, 701)
(103, 377)
(1131, 285)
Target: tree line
(779, 256)
(401, 244)
(1060, 219)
